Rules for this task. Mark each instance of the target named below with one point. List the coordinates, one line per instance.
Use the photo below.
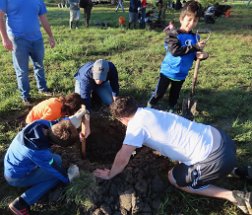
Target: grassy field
(224, 89)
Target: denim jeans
(23, 49)
(39, 182)
(104, 91)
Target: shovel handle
(195, 75)
(83, 141)
(83, 148)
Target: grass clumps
(82, 191)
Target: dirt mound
(138, 189)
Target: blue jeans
(39, 182)
(23, 49)
(104, 91)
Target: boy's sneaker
(27, 102)
(19, 207)
(45, 93)
(244, 201)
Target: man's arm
(120, 162)
(47, 28)
(7, 44)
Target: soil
(139, 189)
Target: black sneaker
(19, 207)
(244, 201)
(27, 102)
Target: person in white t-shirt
(205, 153)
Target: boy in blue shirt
(29, 161)
(183, 47)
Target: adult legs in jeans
(37, 55)
(39, 182)
(104, 91)
(23, 49)
(161, 88)
(20, 57)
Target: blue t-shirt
(177, 67)
(23, 18)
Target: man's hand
(102, 173)
(52, 42)
(73, 172)
(7, 44)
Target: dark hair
(192, 8)
(63, 133)
(123, 107)
(71, 104)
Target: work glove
(76, 119)
(73, 172)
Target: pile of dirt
(138, 189)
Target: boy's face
(188, 23)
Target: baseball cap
(100, 70)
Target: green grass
(223, 90)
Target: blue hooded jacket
(29, 150)
(87, 84)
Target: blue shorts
(218, 164)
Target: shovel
(83, 141)
(189, 104)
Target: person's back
(49, 109)
(55, 108)
(172, 135)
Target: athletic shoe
(27, 102)
(244, 201)
(19, 207)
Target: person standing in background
(87, 7)
(74, 13)
(20, 33)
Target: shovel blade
(189, 108)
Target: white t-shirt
(172, 135)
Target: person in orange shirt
(55, 108)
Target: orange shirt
(49, 109)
